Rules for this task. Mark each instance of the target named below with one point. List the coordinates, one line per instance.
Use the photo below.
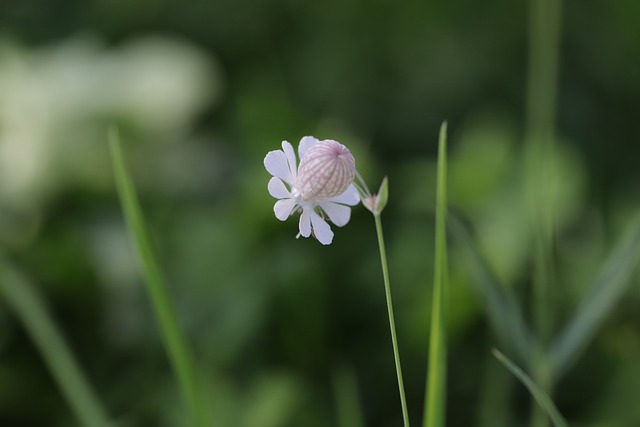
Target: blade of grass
(504, 314)
(542, 398)
(606, 291)
(436, 393)
(347, 400)
(495, 395)
(174, 340)
(24, 300)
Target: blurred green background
(201, 91)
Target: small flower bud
(326, 170)
(377, 202)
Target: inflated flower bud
(326, 170)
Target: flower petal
(338, 214)
(304, 145)
(305, 222)
(350, 197)
(277, 189)
(283, 208)
(291, 159)
(277, 165)
(321, 229)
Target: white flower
(322, 185)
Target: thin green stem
(392, 325)
(544, 27)
(544, 45)
(174, 340)
(22, 297)
(544, 30)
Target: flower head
(322, 185)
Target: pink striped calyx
(326, 170)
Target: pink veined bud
(326, 170)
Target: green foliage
(541, 397)
(202, 90)
(502, 309)
(23, 298)
(607, 289)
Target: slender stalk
(543, 321)
(392, 325)
(544, 27)
(436, 395)
(544, 30)
(22, 297)
(174, 340)
(544, 36)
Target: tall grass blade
(24, 300)
(494, 395)
(542, 398)
(606, 291)
(347, 399)
(435, 399)
(504, 314)
(174, 340)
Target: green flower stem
(392, 325)
(174, 340)
(20, 294)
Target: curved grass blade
(504, 314)
(543, 400)
(606, 291)
(494, 395)
(174, 340)
(22, 297)
(435, 399)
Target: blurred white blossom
(56, 104)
